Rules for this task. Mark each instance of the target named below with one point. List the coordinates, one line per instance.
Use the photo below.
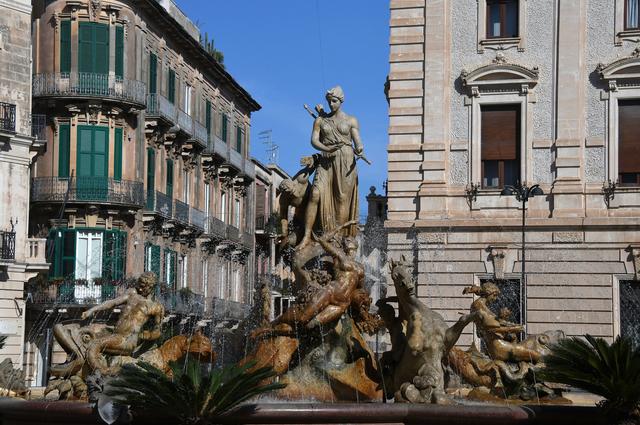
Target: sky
(286, 53)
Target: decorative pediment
(625, 70)
(498, 76)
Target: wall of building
(579, 246)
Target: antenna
(270, 146)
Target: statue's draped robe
(336, 177)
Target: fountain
(319, 346)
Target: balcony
(197, 218)
(216, 227)
(185, 122)
(200, 134)
(76, 292)
(181, 212)
(159, 106)
(235, 159)
(233, 233)
(88, 85)
(229, 310)
(36, 254)
(39, 127)
(101, 190)
(183, 301)
(247, 240)
(160, 204)
(7, 117)
(7, 245)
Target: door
(92, 163)
(93, 58)
(88, 265)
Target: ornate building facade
(484, 94)
(21, 257)
(146, 165)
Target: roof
(209, 66)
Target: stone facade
(146, 165)
(21, 257)
(567, 69)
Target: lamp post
(522, 194)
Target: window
(629, 142)
(114, 255)
(188, 92)
(170, 178)
(207, 194)
(170, 259)
(500, 145)
(64, 150)
(93, 52)
(222, 282)
(88, 255)
(92, 162)
(205, 279)
(236, 218)
(185, 271)
(171, 86)
(117, 154)
(223, 207)
(629, 311)
(152, 259)
(502, 18)
(225, 123)
(153, 73)
(61, 252)
(239, 137)
(119, 65)
(235, 295)
(151, 178)
(65, 46)
(207, 119)
(185, 187)
(631, 15)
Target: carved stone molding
(95, 7)
(498, 254)
(634, 252)
(500, 75)
(621, 72)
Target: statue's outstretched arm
(107, 305)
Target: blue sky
(289, 52)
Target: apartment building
(486, 94)
(146, 165)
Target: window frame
(497, 43)
(626, 17)
(503, 18)
(502, 162)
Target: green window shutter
(171, 86)
(224, 127)
(119, 68)
(108, 254)
(170, 178)
(65, 46)
(64, 150)
(151, 177)
(68, 253)
(155, 260)
(207, 119)
(121, 255)
(153, 73)
(93, 50)
(101, 43)
(85, 47)
(117, 154)
(239, 139)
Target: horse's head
(402, 277)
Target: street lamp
(522, 194)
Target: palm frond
(190, 394)
(592, 364)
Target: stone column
(570, 131)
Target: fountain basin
(18, 412)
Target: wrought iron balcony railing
(185, 122)
(83, 84)
(159, 106)
(183, 302)
(216, 227)
(104, 190)
(7, 245)
(181, 212)
(7, 117)
(39, 127)
(229, 310)
(200, 133)
(160, 204)
(233, 233)
(197, 219)
(76, 292)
